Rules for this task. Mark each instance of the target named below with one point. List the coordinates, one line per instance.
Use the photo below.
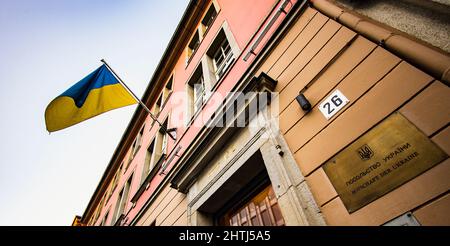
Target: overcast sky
(45, 47)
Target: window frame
(122, 200)
(199, 93)
(116, 178)
(201, 30)
(211, 20)
(192, 109)
(134, 150)
(105, 218)
(227, 58)
(151, 162)
(157, 107)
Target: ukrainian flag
(97, 93)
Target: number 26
(336, 101)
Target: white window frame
(148, 162)
(227, 58)
(122, 202)
(199, 92)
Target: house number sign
(332, 104)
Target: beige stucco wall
(167, 209)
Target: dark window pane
(277, 214)
(266, 218)
(234, 221)
(255, 221)
(243, 214)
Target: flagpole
(137, 98)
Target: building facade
(284, 112)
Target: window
(155, 151)
(149, 161)
(116, 211)
(200, 32)
(167, 90)
(169, 83)
(133, 148)
(161, 142)
(213, 66)
(139, 139)
(122, 200)
(193, 45)
(110, 188)
(157, 107)
(196, 92)
(104, 219)
(209, 17)
(114, 182)
(116, 178)
(261, 210)
(136, 146)
(199, 93)
(102, 202)
(99, 208)
(222, 58)
(222, 52)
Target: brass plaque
(384, 158)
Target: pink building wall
(245, 18)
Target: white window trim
(228, 58)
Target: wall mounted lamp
(304, 103)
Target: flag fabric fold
(95, 94)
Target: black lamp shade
(304, 103)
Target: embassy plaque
(384, 158)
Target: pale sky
(45, 47)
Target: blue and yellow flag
(97, 93)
